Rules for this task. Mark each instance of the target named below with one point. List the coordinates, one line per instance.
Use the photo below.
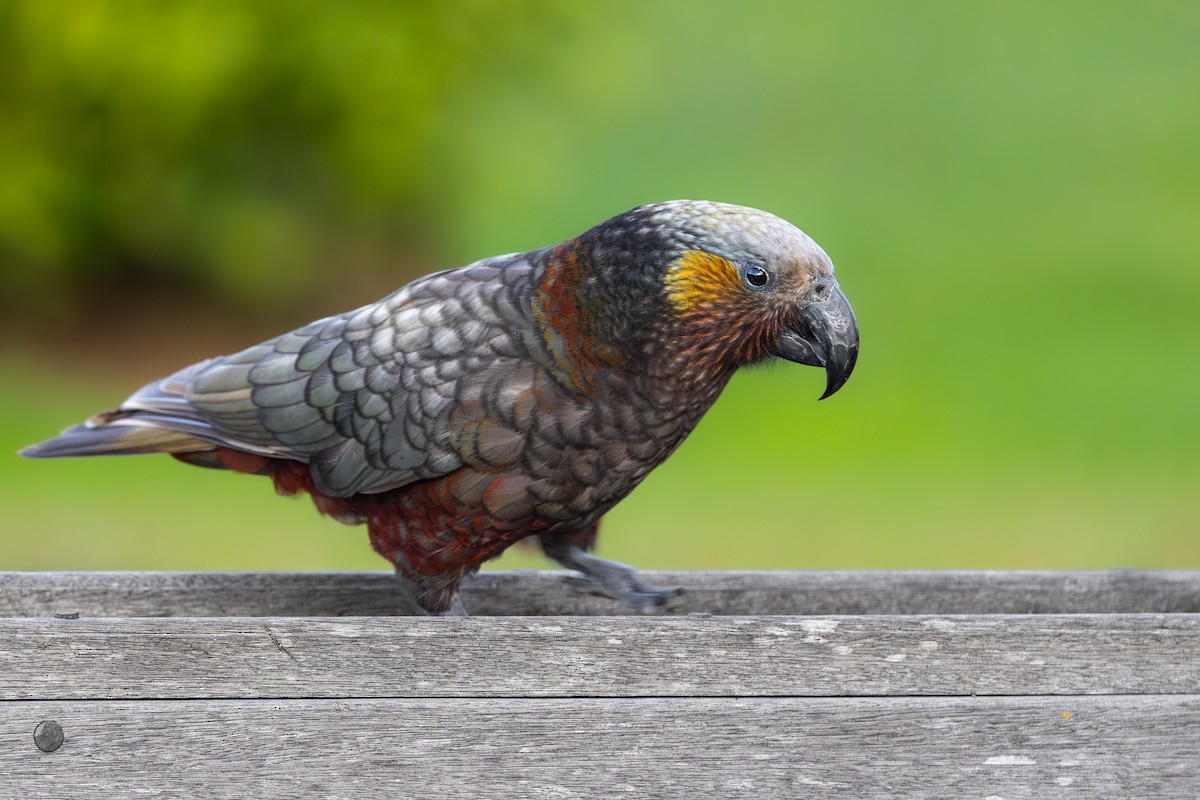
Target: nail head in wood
(48, 736)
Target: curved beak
(824, 334)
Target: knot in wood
(48, 736)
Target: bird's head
(734, 285)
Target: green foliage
(228, 148)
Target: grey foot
(610, 579)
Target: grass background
(1010, 191)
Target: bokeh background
(1011, 192)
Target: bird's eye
(757, 276)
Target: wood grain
(1101, 748)
(324, 594)
(359, 657)
(777, 685)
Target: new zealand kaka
(521, 395)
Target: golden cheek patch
(698, 279)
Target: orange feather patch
(699, 280)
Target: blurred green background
(1011, 192)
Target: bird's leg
(439, 601)
(456, 610)
(609, 578)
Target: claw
(644, 600)
(610, 579)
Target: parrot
(519, 396)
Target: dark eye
(757, 276)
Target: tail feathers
(116, 439)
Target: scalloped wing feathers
(372, 399)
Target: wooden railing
(763, 684)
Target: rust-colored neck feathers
(573, 333)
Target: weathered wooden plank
(283, 657)
(547, 593)
(1145, 747)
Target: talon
(646, 600)
(585, 585)
(610, 579)
(665, 600)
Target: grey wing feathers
(336, 394)
(364, 398)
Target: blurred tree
(229, 149)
